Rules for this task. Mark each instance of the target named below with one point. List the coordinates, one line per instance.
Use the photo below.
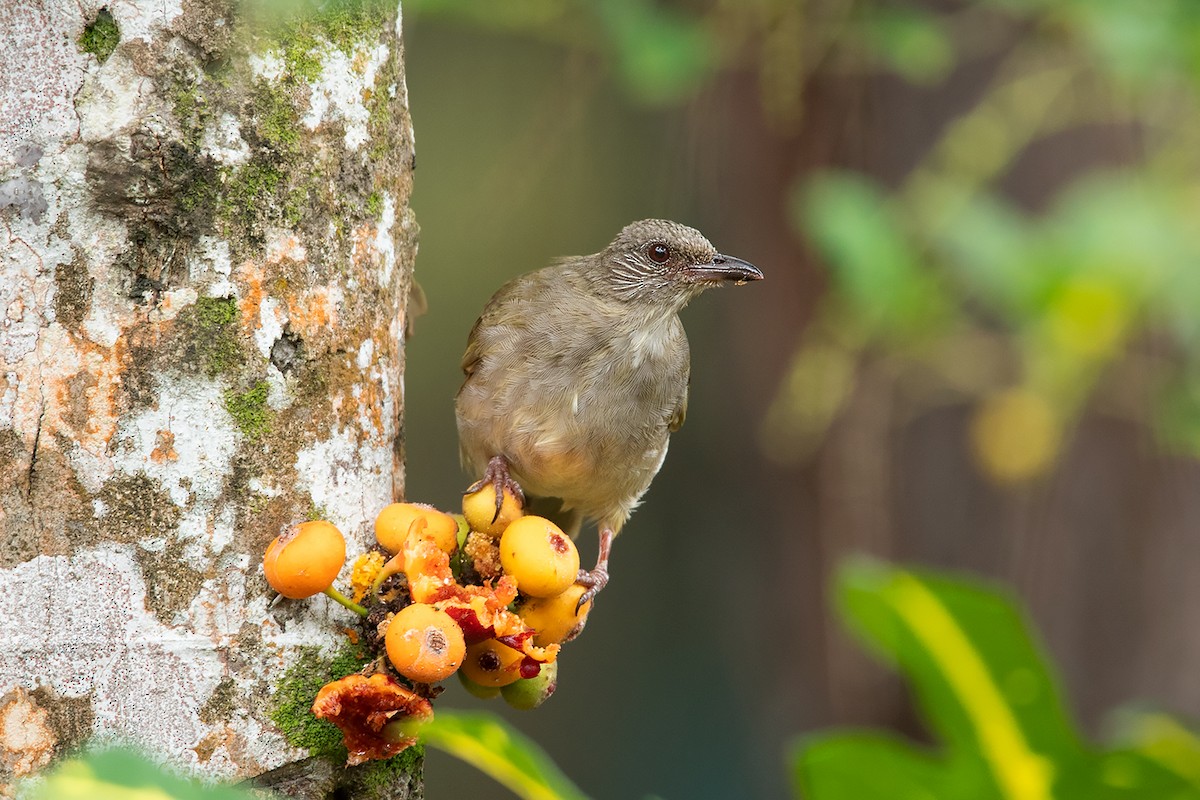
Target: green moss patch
(216, 338)
(192, 110)
(101, 37)
(249, 410)
(342, 23)
(216, 312)
(277, 122)
(378, 778)
(375, 204)
(381, 124)
(316, 511)
(249, 188)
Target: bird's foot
(498, 476)
(597, 578)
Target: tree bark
(206, 255)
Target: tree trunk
(206, 257)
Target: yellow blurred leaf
(77, 781)
(1089, 317)
(492, 746)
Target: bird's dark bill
(724, 268)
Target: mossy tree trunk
(206, 256)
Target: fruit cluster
(489, 594)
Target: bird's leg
(498, 476)
(596, 578)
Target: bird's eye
(658, 253)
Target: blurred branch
(1026, 102)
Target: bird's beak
(723, 268)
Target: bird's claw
(498, 476)
(594, 580)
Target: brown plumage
(577, 374)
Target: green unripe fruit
(529, 693)
(479, 690)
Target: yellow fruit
(305, 559)
(490, 663)
(424, 644)
(392, 526)
(480, 508)
(541, 558)
(554, 618)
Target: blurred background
(977, 348)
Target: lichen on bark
(205, 341)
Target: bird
(577, 374)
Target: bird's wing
(680, 412)
(473, 354)
(497, 308)
(683, 370)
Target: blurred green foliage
(988, 696)
(660, 54)
(947, 276)
(489, 744)
(121, 775)
(914, 43)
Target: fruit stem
(337, 596)
(394, 564)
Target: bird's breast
(580, 412)
(643, 347)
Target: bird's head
(665, 264)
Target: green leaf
(986, 244)
(1123, 775)
(1134, 239)
(663, 55)
(1122, 227)
(912, 42)
(862, 766)
(979, 678)
(1165, 741)
(123, 775)
(875, 265)
(985, 689)
(1138, 42)
(492, 746)
(836, 768)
